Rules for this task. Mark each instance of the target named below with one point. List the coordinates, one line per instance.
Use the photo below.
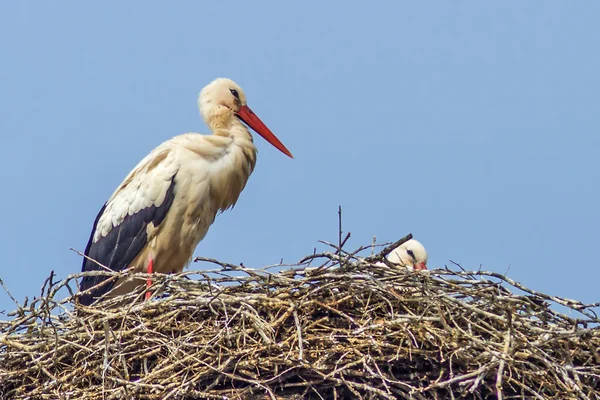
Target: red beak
(420, 266)
(250, 119)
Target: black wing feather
(122, 244)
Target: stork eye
(411, 254)
(235, 93)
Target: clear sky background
(473, 125)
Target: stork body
(166, 204)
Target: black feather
(122, 244)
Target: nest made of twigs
(335, 326)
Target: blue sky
(473, 125)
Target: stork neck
(235, 128)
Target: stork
(411, 254)
(161, 211)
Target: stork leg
(149, 280)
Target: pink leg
(149, 281)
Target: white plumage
(142, 188)
(165, 206)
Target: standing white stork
(411, 254)
(164, 207)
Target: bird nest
(335, 326)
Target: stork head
(223, 100)
(412, 254)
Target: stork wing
(120, 229)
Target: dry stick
(341, 242)
(340, 230)
(92, 260)
(507, 341)
(299, 330)
(382, 255)
(459, 266)
(10, 295)
(373, 245)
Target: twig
(299, 330)
(381, 256)
(11, 296)
(340, 229)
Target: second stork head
(412, 254)
(223, 100)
